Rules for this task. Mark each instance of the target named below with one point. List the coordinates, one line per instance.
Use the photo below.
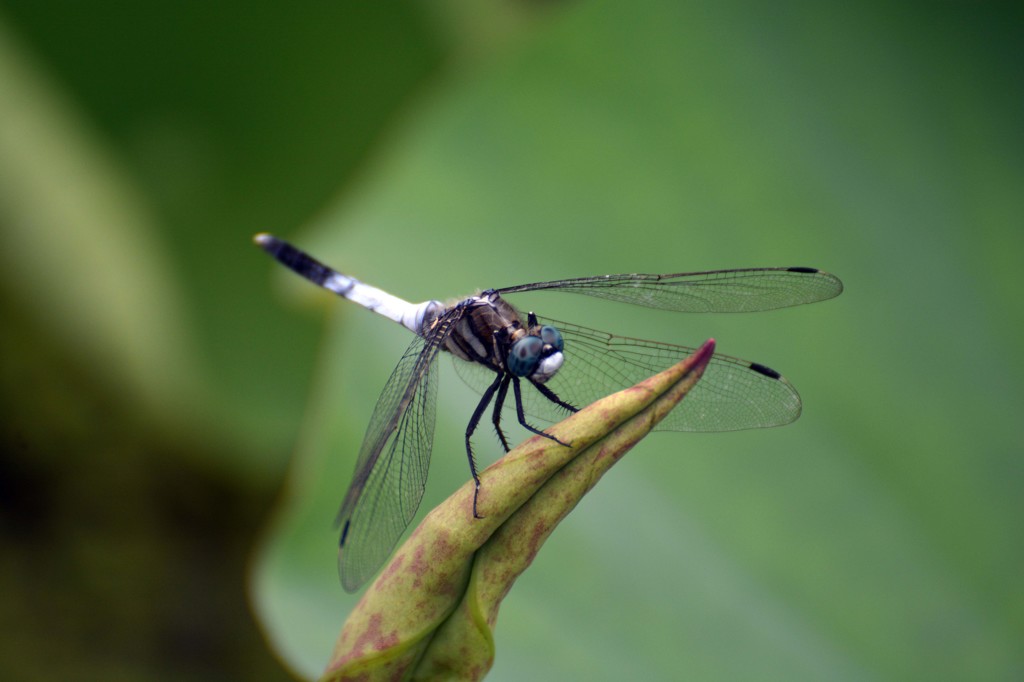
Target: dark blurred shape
(123, 549)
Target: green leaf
(430, 613)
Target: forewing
(717, 291)
(391, 470)
(732, 395)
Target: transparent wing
(717, 291)
(733, 394)
(391, 470)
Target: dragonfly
(552, 369)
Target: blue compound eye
(524, 355)
(552, 337)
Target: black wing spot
(809, 271)
(344, 534)
(767, 371)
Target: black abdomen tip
(295, 259)
(269, 243)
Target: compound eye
(552, 337)
(524, 355)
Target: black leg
(499, 402)
(471, 427)
(553, 397)
(522, 415)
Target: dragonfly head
(537, 356)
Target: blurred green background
(180, 423)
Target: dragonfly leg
(522, 414)
(499, 402)
(474, 421)
(553, 397)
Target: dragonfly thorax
(489, 331)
